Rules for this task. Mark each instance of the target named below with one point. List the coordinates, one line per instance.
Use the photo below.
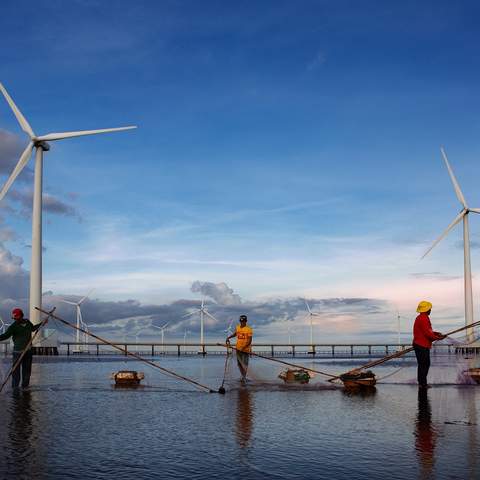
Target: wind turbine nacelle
(43, 145)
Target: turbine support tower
(40, 144)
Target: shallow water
(72, 423)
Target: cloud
(435, 276)
(51, 204)
(14, 279)
(221, 293)
(10, 151)
(126, 319)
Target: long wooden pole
(399, 353)
(131, 354)
(25, 350)
(278, 361)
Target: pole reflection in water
(20, 453)
(425, 435)
(244, 420)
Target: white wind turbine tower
(40, 144)
(162, 332)
(203, 311)
(311, 315)
(463, 215)
(80, 322)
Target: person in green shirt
(21, 332)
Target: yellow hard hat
(424, 306)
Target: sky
(284, 151)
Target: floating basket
(295, 376)
(359, 380)
(127, 378)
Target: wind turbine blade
(81, 133)
(164, 325)
(474, 210)
(308, 307)
(190, 314)
(210, 315)
(444, 234)
(24, 158)
(456, 186)
(21, 119)
(86, 296)
(66, 301)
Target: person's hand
(440, 336)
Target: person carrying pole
(243, 347)
(21, 332)
(423, 336)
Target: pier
(154, 349)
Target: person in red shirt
(423, 336)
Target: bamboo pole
(25, 350)
(399, 353)
(278, 361)
(131, 354)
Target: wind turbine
(162, 329)
(40, 144)
(203, 311)
(229, 330)
(2, 325)
(80, 322)
(137, 334)
(463, 215)
(311, 315)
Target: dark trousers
(26, 368)
(423, 361)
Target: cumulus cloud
(14, 279)
(221, 293)
(125, 319)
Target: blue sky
(287, 149)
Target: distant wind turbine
(162, 330)
(289, 332)
(203, 311)
(463, 215)
(80, 323)
(2, 325)
(229, 330)
(311, 315)
(40, 144)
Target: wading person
(21, 332)
(423, 336)
(243, 347)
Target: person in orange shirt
(243, 347)
(423, 336)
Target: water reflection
(244, 419)
(425, 435)
(360, 391)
